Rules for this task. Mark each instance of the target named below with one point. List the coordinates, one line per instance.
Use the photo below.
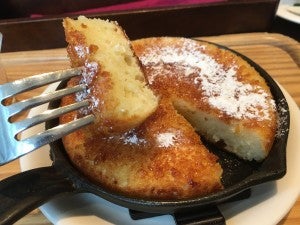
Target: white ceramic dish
(0, 41)
(269, 202)
(286, 12)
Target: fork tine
(55, 133)
(29, 83)
(47, 115)
(31, 143)
(43, 98)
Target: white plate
(284, 11)
(269, 202)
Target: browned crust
(184, 170)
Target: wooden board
(277, 54)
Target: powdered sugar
(89, 71)
(81, 51)
(283, 118)
(166, 139)
(163, 139)
(132, 138)
(220, 86)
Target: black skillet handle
(207, 216)
(21, 193)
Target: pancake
(162, 159)
(119, 96)
(220, 94)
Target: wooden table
(277, 54)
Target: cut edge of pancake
(119, 95)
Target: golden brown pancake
(161, 159)
(220, 94)
(119, 96)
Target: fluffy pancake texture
(117, 90)
(220, 94)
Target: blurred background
(36, 24)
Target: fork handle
(24, 192)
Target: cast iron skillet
(23, 192)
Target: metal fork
(11, 147)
